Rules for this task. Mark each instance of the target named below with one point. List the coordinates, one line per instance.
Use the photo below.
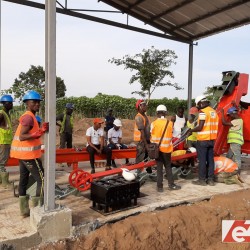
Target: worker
(207, 128)
(26, 147)
(165, 149)
(95, 144)
(235, 137)
(6, 136)
(115, 139)
(192, 139)
(142, 132)
(179, 120)
(65, 123)
(109, 120)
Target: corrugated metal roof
(187, 19)
(180, 20)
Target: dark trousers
(142, 154)
(106, 150)
(65, 140)
(34, 168)
(122, 146)
(205, 154)
(164, 160)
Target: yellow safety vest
(193, 136)
(6, 135)
(236, 136)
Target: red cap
(98, 120)
(193, 111)
(138, 103)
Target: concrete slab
(19, 232)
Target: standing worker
(162, 128)
(6, 136)
(26, 147)
(207, 128)
(235, 137)
(65, 123)
(192, 139)
(179, 121)
(142, 132)
(109, 120)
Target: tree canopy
(34, 79)
(152, 69)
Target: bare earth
(196, 226)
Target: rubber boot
(24, 206)
(5, 180)
(35, 201)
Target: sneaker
(160, 189)
(199, 182)
(210, 182)
(174, 187)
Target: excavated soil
(192, 226)
(196, 226)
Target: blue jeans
(205, 153)
(234, 153)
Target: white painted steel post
(190, 74)
(50, 104)
(0, 45)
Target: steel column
(190, 74)
(50, 104)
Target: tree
(152, 67)
(34, 79)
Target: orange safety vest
(210, 128)
(224, 164)
(137, 132)
(156, 133)
(28, 149)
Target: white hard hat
(200, 98)
(161, 108)
(127, 175)
(117, 123)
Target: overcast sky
(84, 48)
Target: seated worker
(115, 139)
(95, 144)
(179, 121)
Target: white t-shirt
(95, 135)
(178, 125)
(114, 135)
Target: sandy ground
(195, 226)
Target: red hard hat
(138, 103)
(193, 111)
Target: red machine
(234, 86)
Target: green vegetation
(151, 69)
(33, 79)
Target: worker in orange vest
(142, 132)
(207, 128)
(165, 149)
(26, 147)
